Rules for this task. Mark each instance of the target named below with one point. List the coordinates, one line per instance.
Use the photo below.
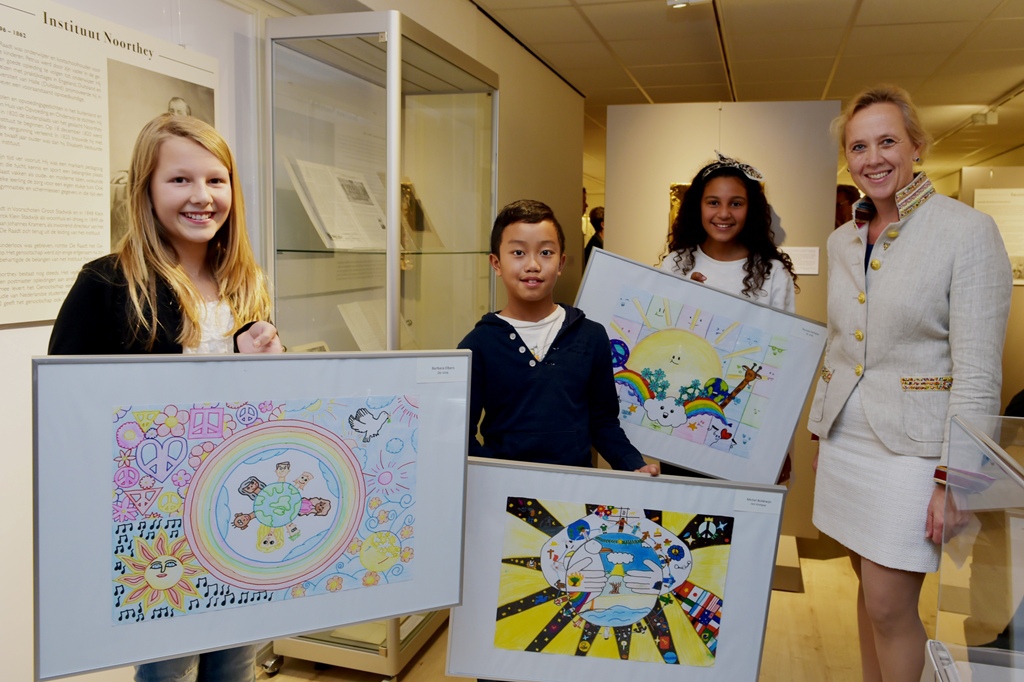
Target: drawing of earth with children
(690, 373)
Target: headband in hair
(725, 162)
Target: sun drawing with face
(160, 572)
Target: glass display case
(383, 142)
(980, 624)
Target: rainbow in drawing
(208, 534)
(635, 383)
(701, 406)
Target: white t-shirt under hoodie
(778, 290)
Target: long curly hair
(757, 235)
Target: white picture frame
(706, 380)
(381, 438)
(515, 622)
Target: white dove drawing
(366, 423)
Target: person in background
(918, 298)
(846, 197)
(183, 280)
(597, 221)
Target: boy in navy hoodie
(542, 372)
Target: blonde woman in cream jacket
(918, 298)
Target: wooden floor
(811, 637)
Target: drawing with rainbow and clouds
(223, 505)
(691, 373)
(706, 380)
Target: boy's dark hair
(524, 211)
(757, 235)
(597, 218)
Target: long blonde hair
(145, 256)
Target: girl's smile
(723, 215)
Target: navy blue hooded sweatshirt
(548, 411)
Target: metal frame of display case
(377, 649)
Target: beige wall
(651, 146)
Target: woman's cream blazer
(921, 329)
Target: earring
(917, 159)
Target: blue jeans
(226, 665)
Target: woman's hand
(260, 338)
(652, 469)
(698, 277)
(938, 522)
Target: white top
(216, 324)
(538, 335)
(778, 290)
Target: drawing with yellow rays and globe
(692, 374)
(612, 582)
(220, 505)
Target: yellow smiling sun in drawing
(160, 572)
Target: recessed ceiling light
(675, 4)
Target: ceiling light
(675, 4)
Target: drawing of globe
(277, 505)
(618, 604)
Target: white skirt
(871, 500)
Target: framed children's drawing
(706, 380)
(577, 574)
(184, 504)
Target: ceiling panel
(1009, 9)
(753, 16)
(702, 48)
(783, 44)
(546, 25)
(591, 79)
(576, 55)
(774, 92)
(676, 74)
(606, 96)
(690, 93)
(490, 5)
(916, 39)
(783, 70)
(914, 11)
(650, 19)
(1002, 34)
(889, 67)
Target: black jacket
(94, 320)
(553, 410)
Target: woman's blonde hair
(883, 94)
(145, 256)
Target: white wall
(651, 146)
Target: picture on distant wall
(135, 96)
(223, 505)
(603, 581)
